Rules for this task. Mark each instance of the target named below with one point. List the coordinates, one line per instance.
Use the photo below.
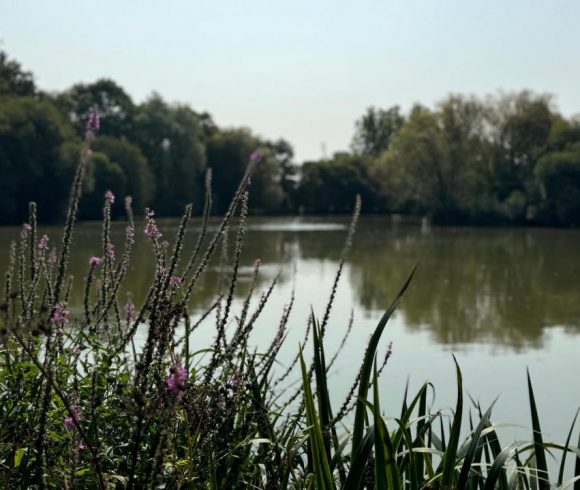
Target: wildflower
(256, 155)
(129, 311)
(43, 243)
(176, 381)
(151, 229)
(93, 124)
(60, 314)
(175, 281)
(161, 270)
(27, 227)
(69, 422)
(95, 261)
(110, 249)
(130, 235)
(81, 446)
(109, 197)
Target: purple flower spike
(43, 243)
(176, 381)
(69, 422)
(95, 261)
(93, 124)
(60, 315)
(175, 281)
(109, 197)
(129, 311)
(256, 156)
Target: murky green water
(500, 299)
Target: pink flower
(69, 422)
(93, 124)
(129, 311)
(256, 156)
(175, 281)
(109, 197)
(60, 315)
(110, 249)
(176, 381)
(151, 229)
(95, 261)
(43, 243)
(81, 446)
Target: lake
(502, 300)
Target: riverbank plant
(84, 403)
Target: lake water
(502, 300)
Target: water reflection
(496, 286)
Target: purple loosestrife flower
(176, 381)
(109, 197)
(93, 124)
(43, 243)
(60, 315)
(256, 156)
(151, 229)
(95, 261)
(110, 251)
(175, 281)
(129, 311)
(69, 422)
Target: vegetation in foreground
(84, 405)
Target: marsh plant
(85, 404)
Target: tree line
(505, 159)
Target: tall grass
(83, 405)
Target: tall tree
(375, 130)
(13, 79)
(115, 107)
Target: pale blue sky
(302, 70)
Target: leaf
(538, 441)
(18, 455)
(451, 451)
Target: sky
(301, 70)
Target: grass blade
(366, 370)
(538, 441)
(451, 452)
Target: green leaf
(543, 480)
(18, 455)
(367, 366)
(451, 451)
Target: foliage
(86, 404)
(468, 160)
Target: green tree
(134, 167)
(228, 153)
(115, 106)
(376, 129)
(13, 79)
(330, 186)
(171, 138)
(32, 135)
